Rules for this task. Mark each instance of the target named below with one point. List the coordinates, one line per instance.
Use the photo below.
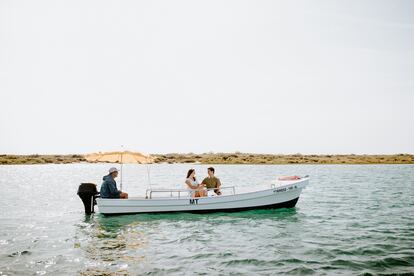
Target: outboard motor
(88, 192)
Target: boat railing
(178, 192)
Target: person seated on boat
(292, 177)
(192, 183)
(211, 181)
(109, 189)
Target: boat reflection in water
(112, 245)
(132, 244)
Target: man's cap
(113, 169)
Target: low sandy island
(224, 158)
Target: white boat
(282, 194)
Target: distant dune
(223, 158)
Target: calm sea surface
(352, 219)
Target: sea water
(351, 219)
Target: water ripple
(351, 220)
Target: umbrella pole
(121, 169)
(149, 178)
(121, 176)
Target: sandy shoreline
(224, 158)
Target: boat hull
(284, 196)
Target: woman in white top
(193, 184)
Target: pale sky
(199, 76)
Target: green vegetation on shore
(247, 158)
(225, 158)
(40, 159)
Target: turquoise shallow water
(352, 219)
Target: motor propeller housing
(87, 193)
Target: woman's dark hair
(190, 171)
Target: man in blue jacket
(108, 188)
